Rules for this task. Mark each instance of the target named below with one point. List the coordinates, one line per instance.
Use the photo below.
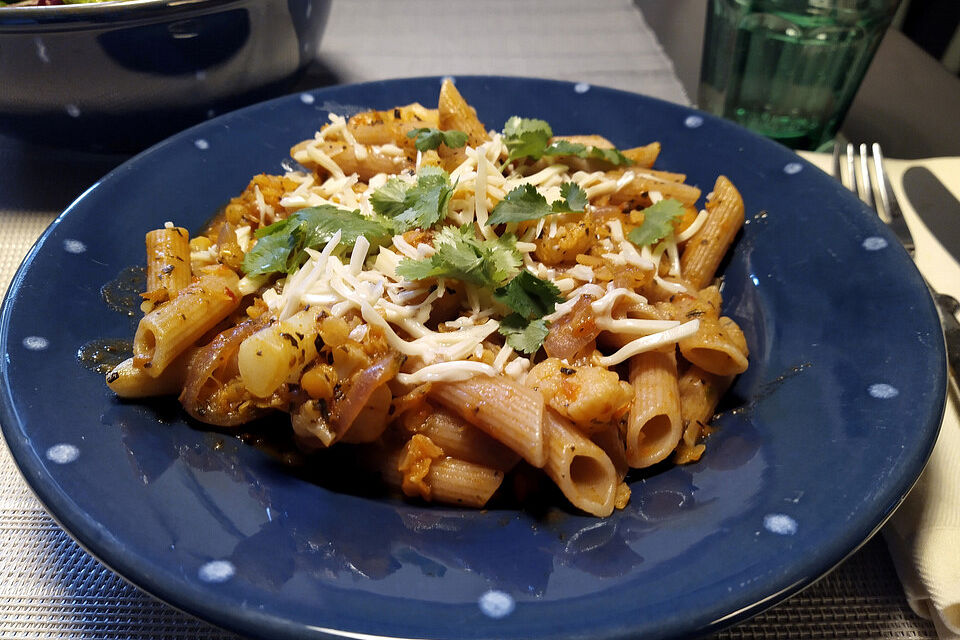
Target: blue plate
(822, 438)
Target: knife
(940, 211)
(936, 206)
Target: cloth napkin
(923, 536)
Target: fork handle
(948, 306)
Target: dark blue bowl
(121, 76)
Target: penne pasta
(654, 427)
(168, 262)
(581, 469)
(703, 252)
(446, 479)
(714, 349)
(174, 326)
(504, 409)
(130, 381)
(460, 439)
(455, 114)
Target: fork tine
(837, 167)
(865, 185)
(851, 169)
(888, 199)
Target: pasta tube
(581, 469)
(168, 262)
(171, 328)
(704, 251)
(654, 427)
(506, 410)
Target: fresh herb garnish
(526, 137)
(419, 205)
(492, 264)
(658, 221)
(522, 334)
(463, 256)
(428, 138)
(573, 199)
(281, 247)
(529, 296)
(526, 203)
(530, 138)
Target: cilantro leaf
(523, 335)
(271, 254)
(431, 138)
(502, 257)
(613, 156)
(574, 199)
(526, 137)
(526, 203)
(389, 199)
(522, 203)
(565, 148)
(463, 256)
(657, 222)
(281, 246)
(530, 138)
(529, 296)
(420, 205)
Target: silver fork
(857, 178)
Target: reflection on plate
(823, 436)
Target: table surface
(50, 588)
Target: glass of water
(789, 69)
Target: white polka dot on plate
(792, 168)
(581, 87)
(307, 98)
(874, 243)
(883, 391)
(74, 246)
(200, 75)
(496, 604)
(73, 110)
(62, 453)
(201, 144)
(692, 122)
(216, 571)
(36, 343)
(780, 524)
(41, 50)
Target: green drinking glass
(789, 69)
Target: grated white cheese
(647, 343)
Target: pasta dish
(455, 305)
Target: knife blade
(940, 211)
(936, 206)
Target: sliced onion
(209, 393)
(361, 388)
(573, 331)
